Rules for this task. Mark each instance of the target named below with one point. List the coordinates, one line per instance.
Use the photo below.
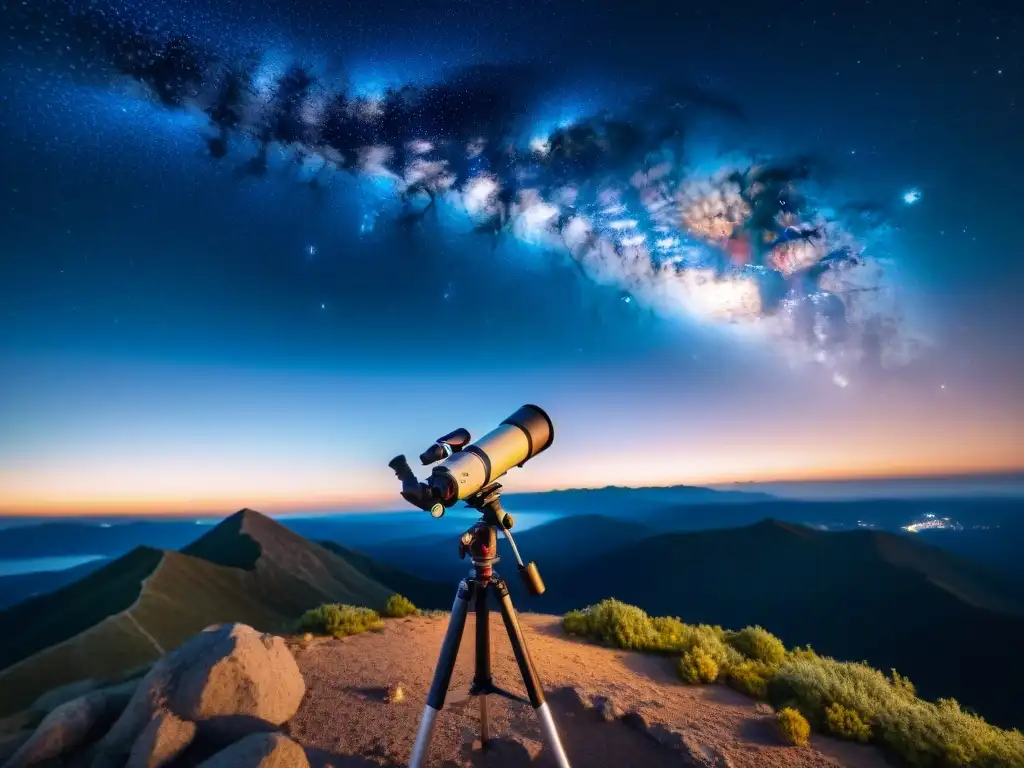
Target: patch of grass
(846, 724)
(751, 677)
(339, 620)
(851, 700)
(758, 644)
(793, 727)
(614, 623)
(625, 626)
(920, 732)
(697, 666)
(398, 607)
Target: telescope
(467, 467)
(467, 471)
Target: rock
(606, 708)
(230, 680)
(763, 709)
(161, 741)
(637, 720)
(260, 750)
(395, 694)
(72, 724)
(237, 672)
(690, 750)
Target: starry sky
(175, 338)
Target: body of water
(21, 566)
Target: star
(912, 196)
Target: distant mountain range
(951, 624)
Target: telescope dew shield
(515, 441)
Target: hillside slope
(857, 595)
(423, 592)
(292, 570)
(248, 569)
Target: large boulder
(230, 680)
(160, 742)
(260, 750)
(72, 724)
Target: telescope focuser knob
(531, 579)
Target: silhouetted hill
(563, 541)
(14, 589)
(248, 569)
(856, 595)
(433, 595)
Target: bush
(697, 666)
(793, 727)
(803, 652)
(625, 626)
(398, 607)
(920, 732)
(621, 625)
(339, 620)
(846, 723)
(903, 685)
(758, 644)
(576, 623)
(751, 677)
(923, 734)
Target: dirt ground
(346, 720)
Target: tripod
(481, 543)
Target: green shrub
(803, 652)
(625, 626)
(339, 620)
(697, 666)
(846, 723)
(903, 685)
(758, 644)
(576, 623)
(751, 677)
(398, 607)
(614, 623)
(922, 733)
(621, 625)
(793, 727)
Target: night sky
(176, 336)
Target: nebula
(745, 246)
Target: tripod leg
(442, 674)
(482, 675)
(529, 673)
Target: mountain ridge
(146, 602)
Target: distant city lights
(931, 522)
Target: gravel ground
(346, 720)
